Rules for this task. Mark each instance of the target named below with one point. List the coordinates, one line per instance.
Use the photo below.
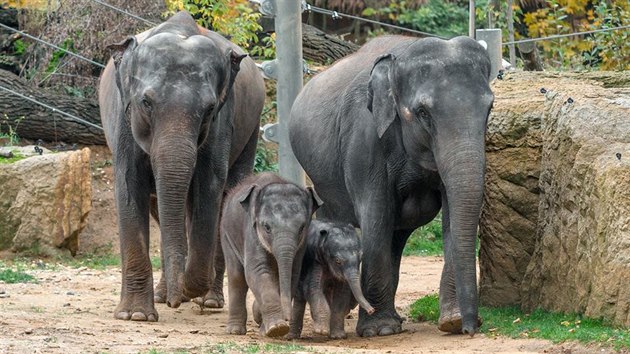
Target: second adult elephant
(180, 106)
(389, 136)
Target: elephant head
(432, 100)
(280, 215)
(175, 89)
(339, 249)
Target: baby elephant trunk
(354, 282)
(285, 255)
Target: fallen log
(29, 120)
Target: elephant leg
(297, 316)
(214, 297)
(204, 203)
(340, 303)
(377, 269)
(320, 311)
(237, 288)
(132, 200)
(242, 167)
(398, 245)
(159, 294)
(268, 300)
(450, 316)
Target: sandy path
(70, 311)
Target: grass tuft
(11, 276)
(512, 322)
(426, 240)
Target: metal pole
(290, 71)
(510, 26)
(471, 18)
(492, 37)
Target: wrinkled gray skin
(181, 125)
(330, 279)
(263, 230)
(389, 136)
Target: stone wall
(44, 202)
(555, 227)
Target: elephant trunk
(462, 170)
(173, 162)
(284, 249)
(354, 281)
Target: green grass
(16, 157)
(512, 322)
(102, 261)
(17, 275)
(426, 240)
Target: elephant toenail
(386, 331)
(123, 316)
(138, 316)
(370, 332)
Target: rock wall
(555, 230)
(510, 212)
(44, 202)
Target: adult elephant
(180, 106)
(389, 136)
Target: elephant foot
(136, 309)
(236, 329)
(338, 334)
(293, 335)
(452, 323)
(320, 328)
(213, 300)
(159, 296)
(381, 324)
(276, 328)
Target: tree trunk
(322, 48)
(529, 54)
(32, 121)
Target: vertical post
(510, 26)
(471, 18)
(492, 37)
(290, 72)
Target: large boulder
(510, 213)
(555, 229)
(44, 202)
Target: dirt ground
(70, 310)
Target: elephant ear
(234, 62)
(247, 195)
(321, 241)
(317, 202)
(381, 96)
(121, 53)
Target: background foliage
(606, 50)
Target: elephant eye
(338, 261)
(146, 103)
(422, 113)
(267, 228)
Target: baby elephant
(263, 231)
(329, 280)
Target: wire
(337, 15)
(566, 35)
(52, 45)
(124, 12)
(73, 117)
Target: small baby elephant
(329, 280)
(263, 231)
